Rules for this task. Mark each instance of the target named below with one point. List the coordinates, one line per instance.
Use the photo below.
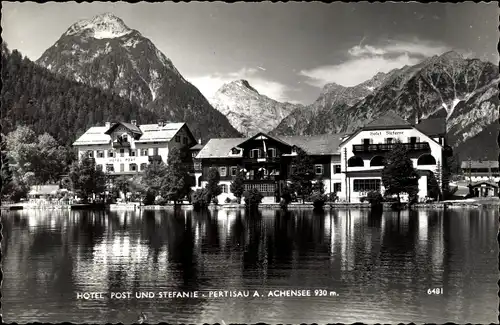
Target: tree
(121, 184)
(319, 186)
(252, 198)
(154, 176)
(213, 187)
(399, 176)
(176, 184)
(237, 186)
(86, 180)
(302, 174)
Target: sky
(287, 51)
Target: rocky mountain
(247, 110)
(333, 100)
(466, 89)
(103, 52)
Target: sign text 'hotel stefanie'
(387, 133)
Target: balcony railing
(261, 160)
(383, 147)
(121, 144)
(155, 158)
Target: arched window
(377, 161)
(355, 162)
(133, 167)
(426, 160)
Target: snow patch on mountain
(100, 27)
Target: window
(389, 140)
(90, 154)
(366, 185)
(184, 140)
(265, 189)
(318, 169)
(131, 153)
(366, 142)
(222, 171)
(355, 162)
(294, 149)
(337, 169)
(122, 152)
(133, 167)
(111, 153)
(224, 188)
(427, 160)
(271, 152)
(197, 165)
(144, 152)
(98, 167)
(377, 161)
(100, 153)
(337, 187)
(413, 139)
(194, 153)
(234, 169)
(125, 138)
(235, 151)
(177, 138)
(143, 166)
(255, 153)
(110, 168)
(122, 167)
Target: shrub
(160, 200)
(252, 198)
(318, 199)
(149, 198)
(332, 197)
(200, 199)
(374, 198)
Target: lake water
(373, 268)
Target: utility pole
(470, 174)
(347, 191)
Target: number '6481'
(435, 291)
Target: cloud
(365, 61)
(209, 84)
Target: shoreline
(482, 203)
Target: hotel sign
(121, 160)
(379, 133)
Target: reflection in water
(380, 264)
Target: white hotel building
(362, 153)
(127, 148)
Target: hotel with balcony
(362, 153)
(266, 161)
(127, 148)
(349, 164)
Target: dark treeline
(33, 96)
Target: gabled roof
(324, 144)
(389, 120)
(479, 164)
(432, 126)
(132, 127)
(277, 139)
(148, 133)
(484, 182)
(197, 146)
(219, 148)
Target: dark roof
(324, 144)
(130, 126)
(432, 126)
(389, 119)
(479, 164)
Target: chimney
(133, 122)
(199, 140)
(160, 123)
(107, 124)
(417, 119)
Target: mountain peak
(105, 25)
(451, 55)
(241, 83)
